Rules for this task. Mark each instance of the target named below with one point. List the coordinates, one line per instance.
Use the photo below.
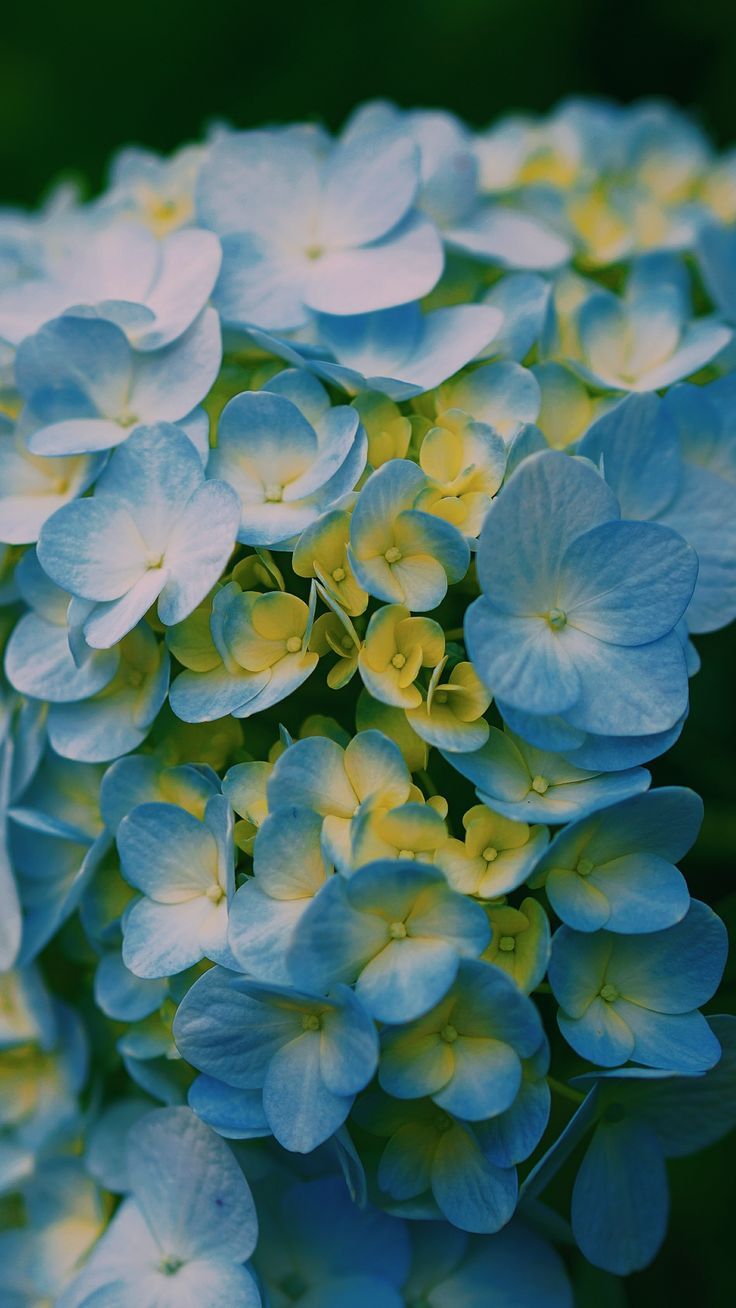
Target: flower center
(584, 867)
(311, 1022)
(170, 1264)
(541, 785)
(338, 574)
(556, 619)
(441, 697)
(609, 993)
(392, 555)
(507, 944)
(448, 1034)
(314, 251)
(398, 661)
(215, 893)
(294, 644)
(274, 493)
(347, 643)
(407, 853)
(489, 854)
(397, 931)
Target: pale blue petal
(123, 996)
(472, 1193)
(674, 970)
(368, 188)
(497, 234)
(226, 1033)
(521, 659)
(38, 662)
(301, 1111)
(234, 1114)
(207, 696)
(190, 1188)
(620, 1200)
(520, 552)
(681, 1041)
(627, 582)
(402, 266)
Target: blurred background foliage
(81, 79)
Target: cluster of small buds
(359, 499)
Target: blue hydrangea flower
(637, 997)
(466, 1053)
(288, 871)
(289, 456)
(398, 552)
(503, 395)
(533, 785)
(648, 339)
(87, 389)
(451, 191)
(154, 530)
(640, 1118)
(186, 1229)
(578, 609)
(400, 352)
(671, 461)
(433, 1165)
(38, 657)
(334, 782)
(119, 717)
(34, 487)
(395, 929)
(616, 869)
(256, 652)
(307, 230)
(308, 1054)
(496, 856)
(184, 868)
(153, 289)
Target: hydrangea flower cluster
(360, 498)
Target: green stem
(426, 781)
(564, 1091)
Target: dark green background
(79, 80)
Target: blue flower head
(87, 389)
(154, 530)
(578, 609)
(303, 233)
(289, 456)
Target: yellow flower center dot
(347, 643)
(311, 1022)
(584, 867)
(294, 644)
(489, 854)
(407, 853)
(215, 893)
(448, 1034)
(541, 785)
(609, 993)
(507, 944)
(338, 574)
(392, 555)
(397, 931)
(274, 494)
(398, 661)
